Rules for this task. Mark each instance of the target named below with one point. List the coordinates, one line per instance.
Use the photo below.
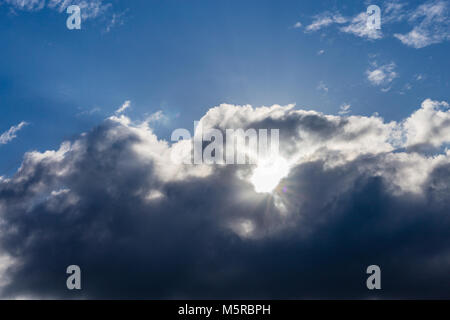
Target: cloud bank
(359, 191)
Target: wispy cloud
(381, 75)
(431, 22)
(158, 116)
(344, 109)
(358, 27)
(9, 135)
(325, 19)
(90, 9)
(124, 107)
(433, 28)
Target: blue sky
(184, 57)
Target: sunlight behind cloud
(268, 175)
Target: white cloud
(358, 27)
(433, 28)
(382, 75)
(344, 109)
(89, 8)
(393, 11)
(431, 22)
(116, 19)
(320, 52)
(348, 140)
(158, 116)
(30, 5)
(297, 25)
(415, 38)
(56, 193)
(355, 25)
(89, 112)
(123, 107)
(115, 189)
(9, 135)
(325, 19)
(428, 125)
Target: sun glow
(268, 175)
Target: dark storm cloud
(138, 227)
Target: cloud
(158, 116)
(123, 107)
(382, 75)
(344, 109)
(394, 11)
(434, 25)
(355, 25)
(320, 52)
(90, 9)
(358, 27)
(9, 135)
(116, 19)
(141, 226)
(325, 19)
(30, 5)
(430, 20)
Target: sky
(85, 170)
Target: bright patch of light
(244, 228)
(268, 175)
